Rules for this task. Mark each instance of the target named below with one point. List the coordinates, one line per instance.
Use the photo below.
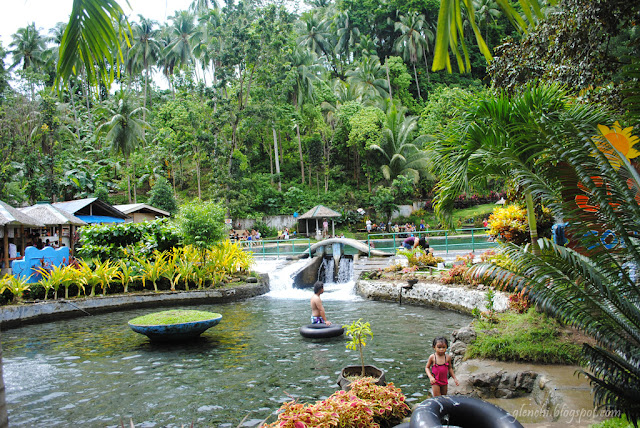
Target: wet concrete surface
(572, 398)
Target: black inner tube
(321, 330)
(462, 411)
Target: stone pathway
(572, 394)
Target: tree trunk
(144, 103)
(386, 63)
(300, 152)
(415, 74)
(426, 65)
(75, 112)
(198, 175)
(275, 150)
(135, 190)
(533, 228)
(128, 181)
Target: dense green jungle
(271, 111)
(257, 109)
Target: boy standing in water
(317, 310)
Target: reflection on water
(95, 371)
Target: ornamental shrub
(366, 405)
(118, 240)
(201, 223)
(509, 224)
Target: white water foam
(281, 284)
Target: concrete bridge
(358, 245)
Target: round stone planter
(351, 371)
(175, 331)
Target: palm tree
(306, 71)
(316, 35)
(411, 44)
(592, 284)
(370, 78)
(145, 50)
(401, 150)
(203, 6)
(348, 35)
(450, 33)
(486, 10)
(28, 49)
(91, 38)
(182, 29)
(28, 46)
(124, 129)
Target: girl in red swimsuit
(439, 367)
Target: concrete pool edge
(45, 311)
(431, 293)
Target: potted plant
(359, 332)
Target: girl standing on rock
(439, 367)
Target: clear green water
(95, 372)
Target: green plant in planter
(17, 285)
(359, 332)
(125, 274)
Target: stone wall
(459, 299)
(480, 379)
(15, 316)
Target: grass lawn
(531, 337)
(173, 317)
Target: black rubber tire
(321, 331)
(461, 411)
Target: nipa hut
(313, 219)
(13, 222)
(61, 222)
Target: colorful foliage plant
(366, 405)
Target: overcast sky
(46, 13)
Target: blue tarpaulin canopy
(99, 219)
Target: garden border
(13, 316)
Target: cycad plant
(16, 285)
(152, 269)
(125, 274)
(582, 172)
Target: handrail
(442, 240)
(435, 236)
(266, 247)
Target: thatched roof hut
(11, 219)
(318, 213)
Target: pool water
(95, 371)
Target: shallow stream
(95, 372)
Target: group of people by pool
(439, 365)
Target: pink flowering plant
(366, 405)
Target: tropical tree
(124, 129)
(145, 51)
(450, 31)
(91, 41)
(489, 140)
(593, 283)
(412, 44)
(28, 46)
(348, 35)
(182, 30)
(486, 10)
(370, 78)
(401, 149)
(28, 50)
(306, 71)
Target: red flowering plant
(366, 405)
